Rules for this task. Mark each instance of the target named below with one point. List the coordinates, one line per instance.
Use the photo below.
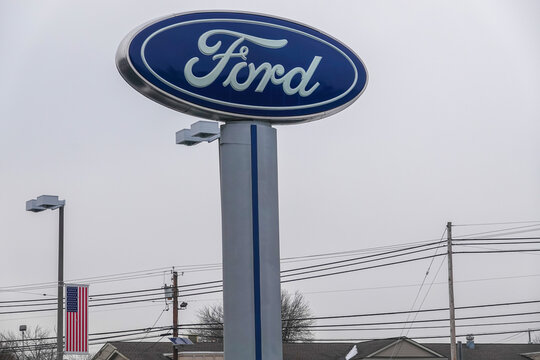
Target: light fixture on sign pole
(198, 132)
(51, 202)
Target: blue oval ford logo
(237, 66)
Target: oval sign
(237, 66)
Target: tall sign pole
(451, 293)
(250, 71)
(250, 225)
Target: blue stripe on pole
(256, 252)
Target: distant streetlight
(51, 202)
(22, 329)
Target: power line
(160, 271)
(520, 228)
(146, 331)
(194, 288)
(495, 234)
(195, 293)
(426, 337)
(497, 243)
(349, 252)
(423, 311)
(371, 328)
(500, 223)
(328, 327)
(93, 297)
(496, 251)
(427, 292)
(426, 320)
(347, 290)
(356, 263)
(414, 285)
(499, 239)
(360, 269)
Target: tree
(212, 319)
(295, 319)
(37, 345)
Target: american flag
(76, 319)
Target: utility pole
(175, 312)
(451, 294)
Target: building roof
(291, 351)
(490, 351)
(324, 351)
(480, 351)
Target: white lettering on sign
(274, 73)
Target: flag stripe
(78, 347)
(86, 320)
(76, 319)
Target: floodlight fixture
(31, 205)
(200, 131)
(44, 202)
(205, 129)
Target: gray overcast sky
(447, 130)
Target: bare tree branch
(294, 313)
(36, 345)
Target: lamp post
(22, 329)
(51, 202)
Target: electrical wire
(418, 295)
(426, 337)
(496, 251)
(499, 223)
(352, 264)
(528, 228)
(218, 282)
(360, 269)
(155, 322)
(193, 292)
(185, 268)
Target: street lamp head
(31, 206)
(44, 202)
(184, 137)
